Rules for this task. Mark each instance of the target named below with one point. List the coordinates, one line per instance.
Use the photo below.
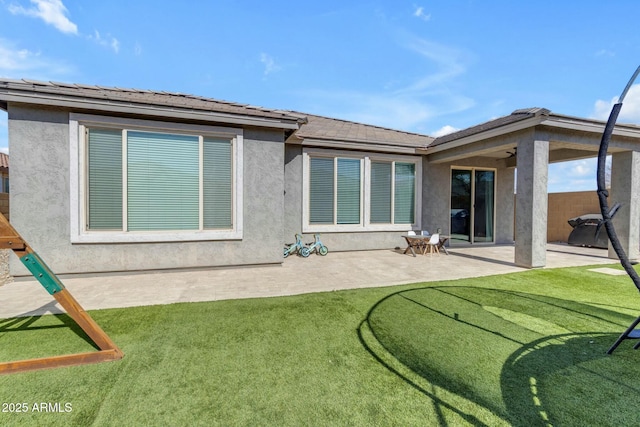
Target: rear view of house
(107, 179)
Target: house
(110, 179)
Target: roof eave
(358, 145)
(590, 125)
(490, 133)
(146, 109)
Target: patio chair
(433, 244)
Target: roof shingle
(516, 116)
(4, 160)
(325, 128)
(310, 126)
(138, 96)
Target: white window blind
(165, 187)
(162, 181)
(104, 179)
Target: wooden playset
(11, 239)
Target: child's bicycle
(302, 250)
(317, 246)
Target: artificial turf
(520, 349)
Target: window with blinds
(146, 181)
(105, 179)
(381, 192)
(365, 193)
(404, 193)
(393, 192)
(334, 191)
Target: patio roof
(570, 137)
(501, 122)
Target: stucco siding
(343, 241)
(293, 192)
(437, 196)
(40, 205)
(436, 185)
(505, 206)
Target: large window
(364, 193)
(137, 184)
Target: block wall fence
(563, 206)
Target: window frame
(78, 123)
(365, 224)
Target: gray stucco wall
(436, 193)
(40, 205)
(292, 192)
(351, 241)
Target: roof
(514, 117)
(4, 160)
(319, 128)
(100, 97)
(312, 129)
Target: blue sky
(419, 66)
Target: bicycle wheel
(286, 252)
(323, 250)
(305, 252)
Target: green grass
(522, 349)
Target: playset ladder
(11, 239)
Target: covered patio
(530, 139)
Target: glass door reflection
(460, 205)
(483, 206)
(472, 205)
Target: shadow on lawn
(28, 322)
(529, 359)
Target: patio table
(421, 242)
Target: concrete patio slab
(336, 271)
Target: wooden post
(11, 239)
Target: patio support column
(531, 203)
(625, 189)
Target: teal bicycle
(317, 246)
(298, 247)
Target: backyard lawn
(521, 349)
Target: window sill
(155, 237)
(358, 228)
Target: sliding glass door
(461, 205)
(472, 205)
(484, 185)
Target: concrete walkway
(345, 270)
